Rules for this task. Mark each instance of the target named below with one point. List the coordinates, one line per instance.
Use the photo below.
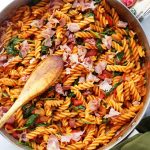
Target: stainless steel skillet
(134, 24)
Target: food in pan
(102, 85)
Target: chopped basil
(98, 44)
(97, 2)
(33, 2)
(26, 144)
(105, 120)
(108, 31)
(31, 120)
(76, 82)
(27, 110)
(20, 129)
(116, 73)
(42, 124)
(120, 55)
(113, 88)
(79, 41)
(44, 50)
(71, 94)
(90, 14)
(76, 108)
(10, 49)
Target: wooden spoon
(46, 73)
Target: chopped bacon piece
(94, 104)
(112, 113)
(59, 89)
(122, 24)
(24, 48)
(53, 143)
(100, 67)
(107, 41)
(73, 27)
(92, 52)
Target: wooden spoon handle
(46, 73)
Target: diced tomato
(77, 102)
(105, 74)
(66, 88)
(110, 21)
(123, 77)
(102, 110)
(9, 127)
(92, 52)
(115, 93)
(15, 135)
(102, 95)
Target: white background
(5, 144)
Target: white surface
(5, 144)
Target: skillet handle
(140, 8)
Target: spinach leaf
(113, 88)
(27, 144)
(10, 49)
(27, 110)
(90, 14)
(120, 55)
(79, 107)
(76, 82)
(116, 73)
(42, 124)
(44, 50)
(31, 120)
(97, 2)
(105, 120)
(79, 41)
(108, 31)
(33, 2)
(71, 94)
(98, 44)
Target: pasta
(101, 88)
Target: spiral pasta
(100, 89)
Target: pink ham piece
(94, 104)
(73, 27)
(88, 63)
(122, 24)
(11, 120)
(105, 86)
(90, 41)
(68, 70)
(72, 123)
(74, 58)
(82, 52)
(24, 48)
(53, 143)
(92, 78)
(47, 42)
(62, 22)
(22, 137)
(37, 23)
(112, 113)
(48, 33)
(59, 89)
(100, 67)
(76, 136)
(107, 41)
(65, 47)
(81, 80)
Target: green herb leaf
(42, 124)
(33, 2)
(10, 49)
(71, 94)
(105, 120)
(27, 110)
(44, 50)
(90, 14)
(20, 129)
(27, 144)
(31, 120)
(120, 55)
(98, 44)
(113, 88)
(79, 41)
(80, 107)
(116, 73)
(108, 31)
(97, 2)
(76, 82)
